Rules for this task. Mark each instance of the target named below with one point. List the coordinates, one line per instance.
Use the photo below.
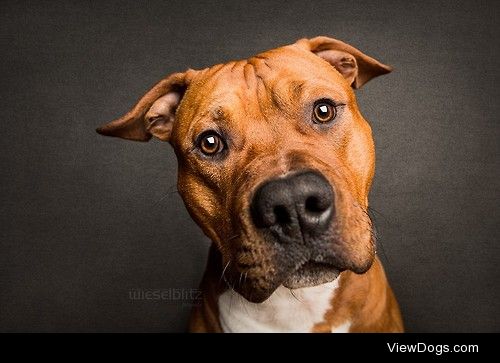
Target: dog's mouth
(307, 274)
(311, 273)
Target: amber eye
(324, 112)
(211, 143)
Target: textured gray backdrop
(86, 219)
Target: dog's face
(275, 161)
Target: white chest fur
(283, 311)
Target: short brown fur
(263, 105)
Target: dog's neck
(285, 310)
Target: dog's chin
(311, 274)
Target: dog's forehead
(290, 58)
(288, 63)
(275, 77)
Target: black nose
(299, 204)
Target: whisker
(371, 209)
(373, 229)
(224, 270)
(375, 234)
(155, 204)
(293, 294)
(167, 194)
(224, 277)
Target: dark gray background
(85, 219)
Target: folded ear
(356, 67)
(153, 115)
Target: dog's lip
(311, 273)
(316, 265)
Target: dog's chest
(283, 311)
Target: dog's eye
(324, 112)
(210, 143)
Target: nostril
(316, 205)
(282, 215)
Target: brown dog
(275, 165)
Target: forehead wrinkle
(286, 95)
(258, 60)
(218, 113)
(280, 99)
(245, 84)
(215, 113)
(221, 116)
(280, 91)
(249, 74)
(296, 89)
(205, 112)
(304, 73)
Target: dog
(275, 162)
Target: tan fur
(264, 104)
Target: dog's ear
(153, 115)
(356, 67)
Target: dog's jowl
(275, 166)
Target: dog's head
(275, 160)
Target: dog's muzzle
(294, 213)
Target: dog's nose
(297, 204)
